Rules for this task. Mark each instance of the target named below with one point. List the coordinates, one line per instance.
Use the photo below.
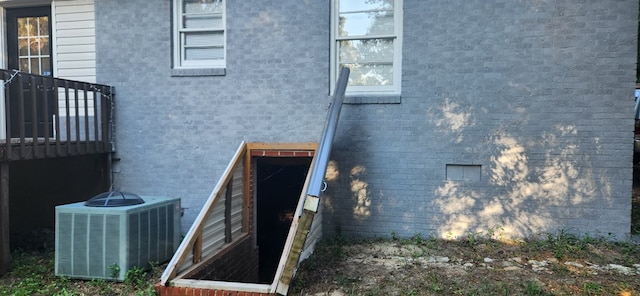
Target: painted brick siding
(538, 93)
(177, 134)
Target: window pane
(44, 49)
(203, 21)
(365, 51)
(366, 23)
(35, 66)
(46, 69)
(43, 26)
(23, 27)
(24, 65)
(370, 74)
(360, 5)
(204, 53)
(202, 6)
(36, 46)
(23, 46)
(31, 26)
(204, 39)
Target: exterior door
(29, 51)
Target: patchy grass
(480, 264)
(33, 274)
(551, 264)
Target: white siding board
(61, 8)
(74, 24)
(76, 16)
(80, 48)
(74, 2)
(75, 7)
(70, 58)
(86, 78)
(78, 73)
(213, 230)
(78, 32)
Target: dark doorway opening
(279, 183)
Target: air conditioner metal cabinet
(91, 241)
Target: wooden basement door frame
(192, 251)
(305, 228)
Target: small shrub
(114, 271)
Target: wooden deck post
(5, 255)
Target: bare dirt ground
(556, 265)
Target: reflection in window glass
(360, 5)
(365, 51)
(371, 74)
(366, 23)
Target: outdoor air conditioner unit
(107, 240)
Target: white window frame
(393, 89)
(179, 61)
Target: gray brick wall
(538, 93)
(176, 134)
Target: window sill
(198, 72)
(372, 99)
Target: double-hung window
(367, 38)
(199, 34)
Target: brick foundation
(184, 291)
(237, 263)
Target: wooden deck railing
(52, 117)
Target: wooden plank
(7, 113)
(282, 146)
(246, 192)
(57, 122)
(67, 116)
(5, 255)
(77, 116)
(34, 115)
(105, 117)
(294, 255)
(96, 119)
(227, 212)
(315, 232)
(223, 286)
(21, 115)
(85, 110)
(197, 249)
(45, 115)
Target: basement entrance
(226, 250)
(279, 182)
